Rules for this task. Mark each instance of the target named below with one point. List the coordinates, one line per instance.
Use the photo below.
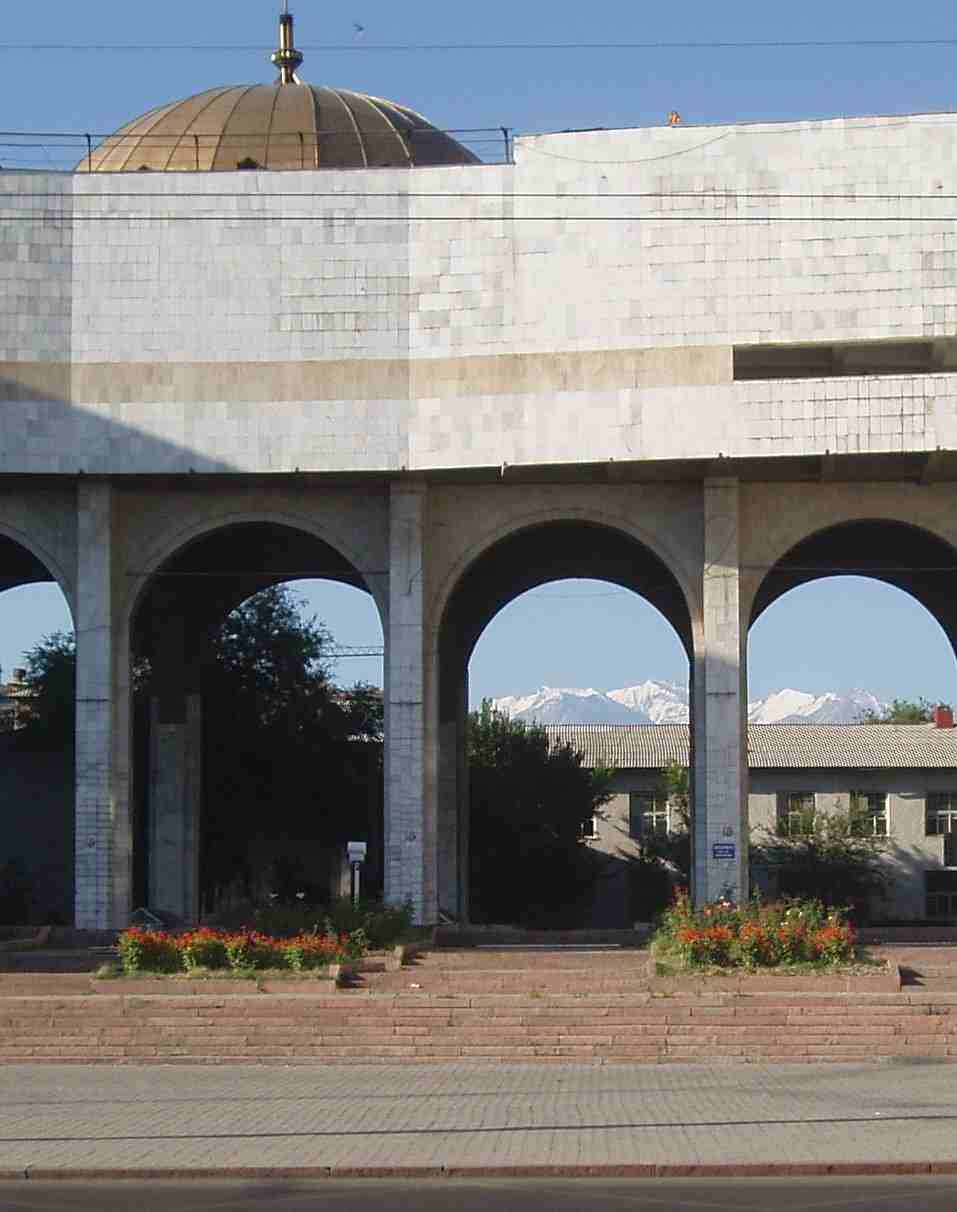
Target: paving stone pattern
(455, 1115)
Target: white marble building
(703, 363)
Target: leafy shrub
(243, 951)
(202, 948)
(754, 935)
(309, 951)
(382, 925)
(755, 945)
(249, 949)
(792, 943)
(834, 944)
(711, 945)
(148, 951)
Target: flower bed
(245, 951)
(753, 936)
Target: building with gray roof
(901, 778)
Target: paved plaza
(260, 1118)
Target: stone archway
(902, 554)
(522, 559)
(178, 606)
(37, 772)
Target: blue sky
(830, 635)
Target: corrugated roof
(771, 746)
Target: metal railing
(70, 151)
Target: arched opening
(849, 620)
(253, 763)
(536, 556)
(37, 740)
(859, 640)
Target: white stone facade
(579, 306)
(417, 367)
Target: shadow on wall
(45, 433)
(36, 834)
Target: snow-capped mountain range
(667, 703)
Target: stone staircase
(540, 1005)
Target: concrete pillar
(173, 799)
(174, 788)
(452, 812)
(410, 833)
(720, 708)
(104, 840)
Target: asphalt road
(489, 1195)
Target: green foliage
(243, 952)
(271, 657)
(202, 949)
(529, 863)
(792, 931)
(379, 926)
(51, 682)
(382, 925)
(900, 711)
(827, 859)
(663, 861)
(148, 951)
(286, 753)
(676, 789)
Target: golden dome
(286, 125)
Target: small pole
(89, 153)
(507, 134)
(302, 150)
(355, 882)
(196, 143)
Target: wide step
(417, 1027)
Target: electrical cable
(717, 194)
(476, 47)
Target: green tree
(528, 803)
(827, 856)
(663, 861)
(51, 684)
(292, 763)
(289, 759)
(900, 711)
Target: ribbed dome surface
(276, 126)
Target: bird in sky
(360, 29)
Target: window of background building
(869, 813)
(590, 828)
(941, 813)
(648, 815)
(941, 888)
(795, 812)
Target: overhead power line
(473, 47)
(717, 195)
(695, 217)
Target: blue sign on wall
(723, 850)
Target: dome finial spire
(287, 58)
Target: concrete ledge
(506, 936)
(774, 980)
(849, 1169)
(911, 935)
(26, 941)
(404, 954)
